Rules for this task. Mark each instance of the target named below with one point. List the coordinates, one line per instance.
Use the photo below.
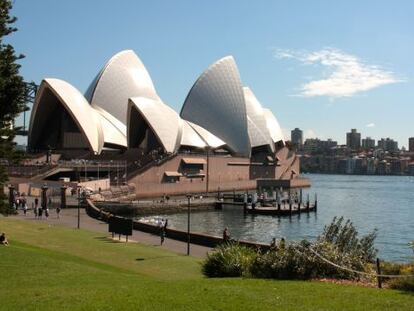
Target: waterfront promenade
(68, 218)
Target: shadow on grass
(107, 239)
(157, 257)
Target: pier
(268, 207)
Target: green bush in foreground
(229, 260)
(339, 244)
(403, 283)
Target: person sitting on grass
(3, 239)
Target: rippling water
(382, 202)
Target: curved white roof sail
(190, 137)
(114, 132)
(211, 140)
(257, 124)
(124, 76)
(75, 105)
(216, 102)
(164, 121)
(273, 126)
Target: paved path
(69, 218)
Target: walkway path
(69, 218)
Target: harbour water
(382, 202)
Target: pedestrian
(226, 235)
(25, 208)
(46, 212)
(58, 212)
(35, 210)
(162, 234)
(36, 203)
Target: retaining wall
(195, 238)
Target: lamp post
(79, 197)
(188, 224)
(207, 169)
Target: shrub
(296, 261)
(399, 269)
(345, 237)
(229, 260)
(338, 244)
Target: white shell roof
(114, 132)
(190, 137)
(124, 76)
(76, 105)
(257, 125)
(163, 120)
(218, 111)
(216, 102)
(211, 140)
(273, 126)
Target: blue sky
(323, 66)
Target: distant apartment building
(371, 166)
(368, 143)
(399, 166)
(383, 168)
(388, 144)
(313, 145)
(353, 139)
(411, 168)
(411, 144)
(296, 137)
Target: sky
(322, 66)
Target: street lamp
(188, 224)
(79, 197)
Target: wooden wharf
(271, 208)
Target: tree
(12, 95)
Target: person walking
(58, 212)
(25, 208)
(47, 213)
(162, 234)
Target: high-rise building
(388, 144)
(411, 144)
(353, 139)
(368, 143)
(296, 137)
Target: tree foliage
(12, 93)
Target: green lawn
(56, 268)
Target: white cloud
(286, 133)
(370, 125)
(347, 75)
(309, 133)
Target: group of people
(20, 202)
(38, 211)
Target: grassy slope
(55, 268)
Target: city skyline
(324, 67)
(362, 138)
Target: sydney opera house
(222, 138)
